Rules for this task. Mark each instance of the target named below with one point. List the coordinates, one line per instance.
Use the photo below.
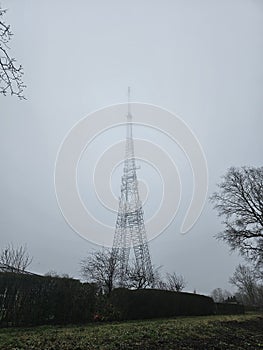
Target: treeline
(29, 300)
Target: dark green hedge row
(35, 300)
(229, 308)
(153, 303)
(27, 300)
(253, 308)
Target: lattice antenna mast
(129, 101)
(130, 228)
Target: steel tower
(130, 229)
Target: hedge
(153, 303)
(34, 300)
(229, 308)
(29, 300)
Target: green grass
(213, 332)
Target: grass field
(213, 332)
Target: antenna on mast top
(129, 102)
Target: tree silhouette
(14, 259)
(10, 72)
(101, 268)
(240, 201)
(245, 279)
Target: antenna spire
(129, 102)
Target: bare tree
(14, 259)
(245, 280)
(219, 295)
(10, 73)
(138, 279)
(101, 267)
(172, 282)
(240, 201)
(161, 284)
(175, 282)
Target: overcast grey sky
(201, 59)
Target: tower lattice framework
(130, 230)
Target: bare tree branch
(245, 279)
(15, 259)
(11, 74)
(138, 279)
(220, 296)
(240, 201)
(175, 282)
(101, 267)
